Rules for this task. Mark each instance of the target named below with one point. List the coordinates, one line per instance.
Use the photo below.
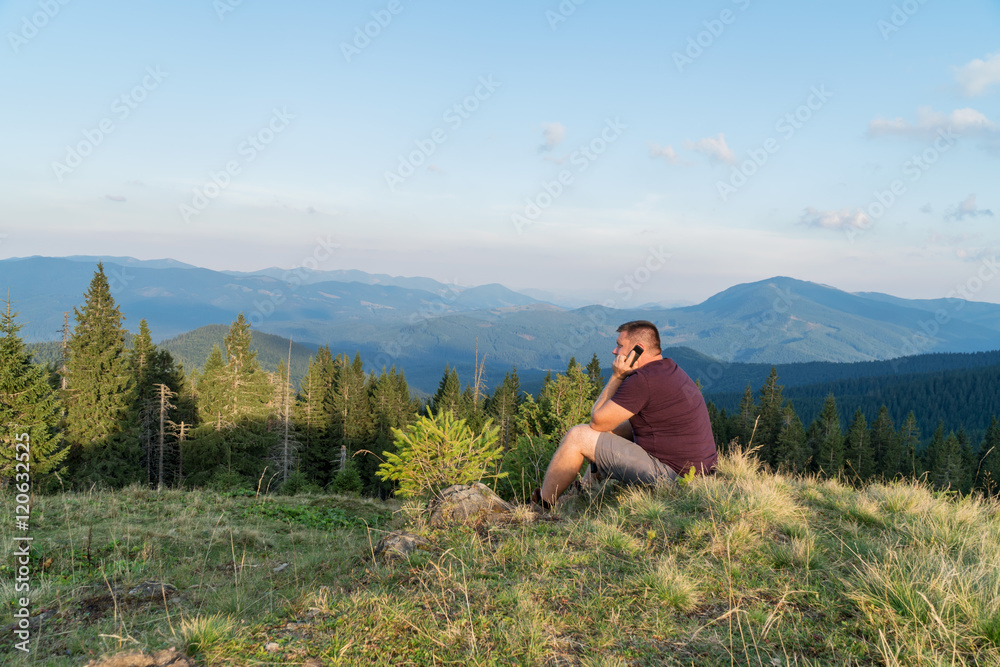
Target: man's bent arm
(606, 414)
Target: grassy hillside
(746, 567)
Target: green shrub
(347, 481)
(524, 466)
(297, 483)
(439, 451)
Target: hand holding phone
(637, 351)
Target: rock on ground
(462, 502)
(399, 544)
(166, 658)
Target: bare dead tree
(165, 395)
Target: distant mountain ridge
(776, 321)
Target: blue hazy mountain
(419, 324)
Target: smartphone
(637, 350)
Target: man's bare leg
(623, 430)
(578, 444)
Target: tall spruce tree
(502, 407)
(595, 376)
(392, 408)
(30, 411)
(448, 396)
(101, 423)
(746, 419)
(885, 445)
(350, 409)
(858, 457)
(771, 418)
(565, 401)
(315, 419)
(791, 452)
(826, 439)
(988, 477)
(909, 442)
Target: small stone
(400, 544)
(272, 647)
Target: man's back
(671, 420)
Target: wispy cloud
(666, 152)
(977, 76)
(713, 147)
(967, 209)
(929, 122)
(115, 198)
(837, 220)
(553, 133)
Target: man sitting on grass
(650, 422)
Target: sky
(623, 153)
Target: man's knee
(584, 439)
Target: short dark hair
(646, 329)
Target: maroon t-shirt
(670, 420)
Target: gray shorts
(622, 459)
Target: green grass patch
(745, 568)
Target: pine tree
(885, 444)
(826, 439)
(448, 396)
(392, 408)
(101, 424)
(211, 390)
(350, 409)
(29, 412)
(502, 407)
(248, 387)
(565, 401)
(746, 420)
(771, 418)
(790, 449)
(596, 377)
(315, 419)
(909, 441)
(988, 477)
(858, 457)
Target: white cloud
(842, 219)
(967, 209)
(930, 122)
(118, 198)
(667, 153)
(554, 133)
(715, 148)
(976, 76)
